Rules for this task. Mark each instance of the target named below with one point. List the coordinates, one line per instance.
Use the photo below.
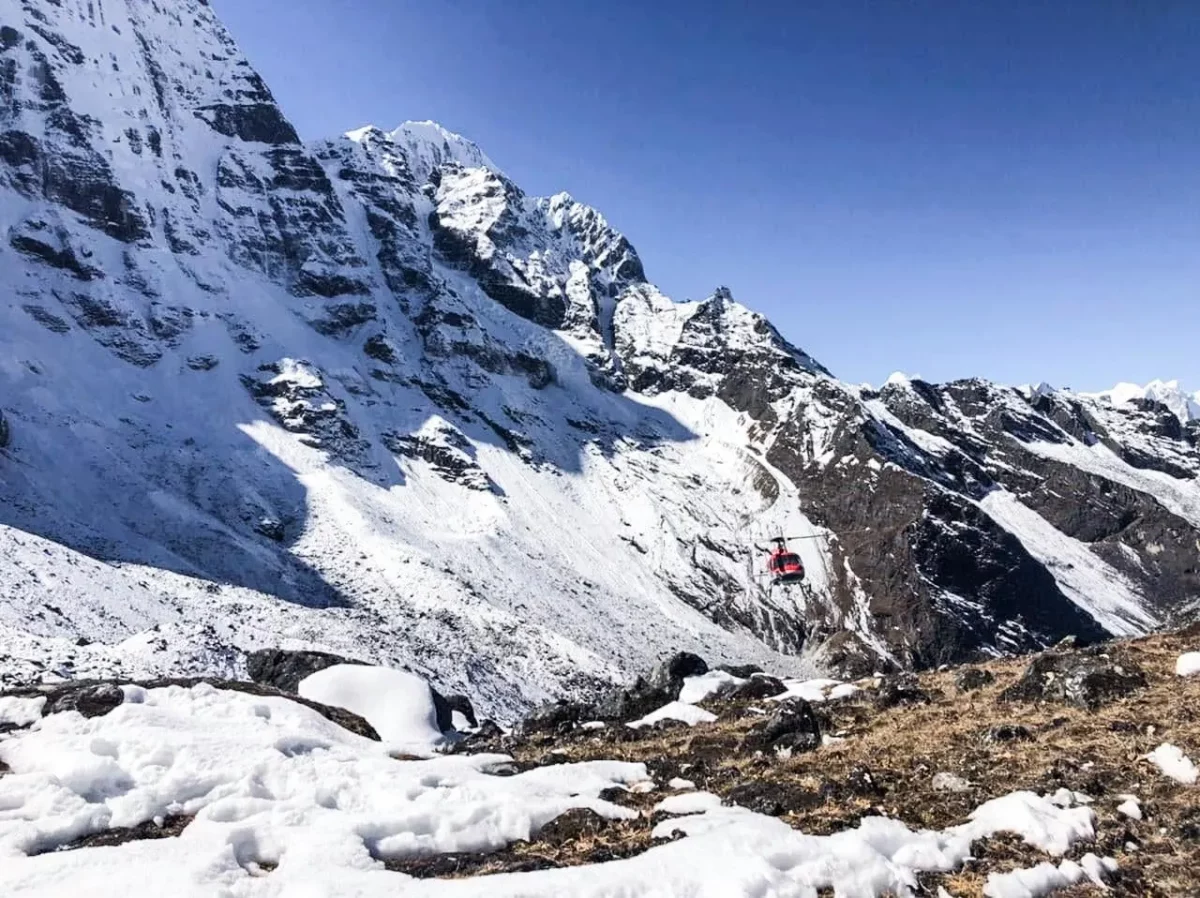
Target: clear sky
(1008, 189)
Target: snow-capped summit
(427, 146)
(1184, 405)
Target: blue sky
(1004, 189)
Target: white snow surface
(1083, 576)
(1034, 882)
(398, 704)
(20, 712)
(677, 710)
(715, 682)
(271, 782)
(1131, 808)
(1188, 664)
(1171, 760)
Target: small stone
(950, 782)
(1008, 732)
(971, 678)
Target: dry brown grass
(1097, 753)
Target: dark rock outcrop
(899, 689)
(90, 700)
(284, 669)
(774, 798)
(971, 678)
(1083, 679)
(758, 686)
(791, 726)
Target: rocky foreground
(1102, 733)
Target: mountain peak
(1185, 406)
(428, 145)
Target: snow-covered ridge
(427, 146)
(1184, 405)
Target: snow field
(276, 787)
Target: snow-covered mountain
(366, 394)
(1185, 406)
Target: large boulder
(555, 718)
(649, 693)
(89, 699)
(792, 727)
(1085, 680)
(670, 674)
(900, 689)
(284, 669)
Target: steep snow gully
(365, 394)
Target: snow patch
(1188, 664)
(398, 704)
(689, 714)
(1171, 760)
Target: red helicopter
(784, 565)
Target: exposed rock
(202, 362)
(971, 678)
(169, 828)
(5, 431)
(861, 781)
(792, 726)
(758, 686)
(741, 671)
(272, 528)
(463, 706)
(1085, 680)
(284, 669)
(90, 700)
(670, 674)
(899, 689)
(575, 824)
(555, 717)
(774, 798)
(1008, 732)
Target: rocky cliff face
(369, 395)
